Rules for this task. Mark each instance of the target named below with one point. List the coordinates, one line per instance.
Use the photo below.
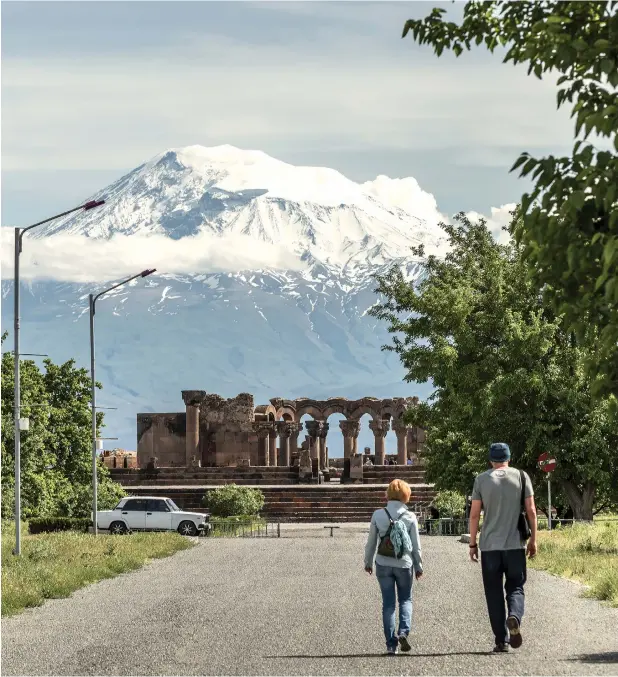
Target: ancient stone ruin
(218, 432)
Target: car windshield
(120, 504)
(173, 506)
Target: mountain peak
(224, 190)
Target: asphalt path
(301, 605)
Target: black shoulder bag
(386, 547)
(523, 526)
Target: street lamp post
(19, 234)
(92, 301)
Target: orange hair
(398, 490)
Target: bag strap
(523, 490)
(389, 516)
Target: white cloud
(121, 256)
(500, 218)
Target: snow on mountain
(290, 333)
(224, 191)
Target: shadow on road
(605, 657)
(384, 655)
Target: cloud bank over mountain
(199, 210)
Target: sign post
(547, 464)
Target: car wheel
(118, 528)
(187, 528)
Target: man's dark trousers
(504, 568)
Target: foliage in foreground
(570, 220)
(56, 453)
(48, 525)
(504, 370)
(587, 553)
(54, 565)
(231, 500)
(450, 504)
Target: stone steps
(301, 503)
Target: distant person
(409, 461)
(368, 461)
(500, 493)
(394, 530)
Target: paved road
(300, 605)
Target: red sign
(547, 463)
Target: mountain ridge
(272, 332)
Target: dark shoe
(513, 625)
(392, 650)
(501, 647)
(404, 644)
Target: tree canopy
(56, 453)
(503, 367)
(569, 227)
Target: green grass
(54, 565)
(587, 553)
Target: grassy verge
(587, 553)
(55, 565)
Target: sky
(91, 90)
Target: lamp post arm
(98, 296)
(87, 206)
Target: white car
(151, 513)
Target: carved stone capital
(193, 398)
(380, 427)
(350, 428)
(316, 428)
(400, 428)
(265, 429)
(324, 430)
(288, 428)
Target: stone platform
(300, 503)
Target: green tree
(570, 220)
(56, 453)
(503, 367)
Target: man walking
(498, 492)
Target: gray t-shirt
(499, 490)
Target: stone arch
(310, 410)
(334, 408)
(286, 414)
(357, 413)
(265, 412)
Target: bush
(450, 504)
(233, 500)
(45, 525)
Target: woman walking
(394, 531)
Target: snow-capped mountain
(301, 331)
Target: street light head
(146, 273)
(92, 204)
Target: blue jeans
(504, 574)
(399, 579)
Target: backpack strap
(523, 490)
(389, 516)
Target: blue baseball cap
(499, 452)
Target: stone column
(263, 432)
(350, 431)
(380, 428)
(272, 439)
(296, 429)
(314, 429)
(323, 432)
(401, 430)
(285, 430)
(192, 400)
